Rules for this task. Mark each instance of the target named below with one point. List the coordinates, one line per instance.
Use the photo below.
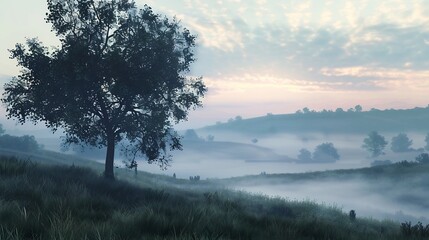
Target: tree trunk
(110, 155)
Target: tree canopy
(374, 143)
(325, 152)
(401, 143)
(120, 73)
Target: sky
(271, 56)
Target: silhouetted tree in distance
(401, 143)
(358, 108)
(119, 73)
(374, 144)
(304, 155)
(191, 135)
(339, 110)
(325, 152)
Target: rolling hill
(391, 120)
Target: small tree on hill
(401, 143)
(374, 144)
(119, 73)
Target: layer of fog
(219, 162)
(367, 199)
(233, 155)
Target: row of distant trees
(306, 110)
(375, 143)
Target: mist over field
(366, 198)
(220, 154)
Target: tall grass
(69, 202)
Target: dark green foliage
(401, 143)
(74, 203)
(325, 152)
(119, 73)
(374, 144)
(24, 143)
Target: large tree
(118, 74)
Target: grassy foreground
(69, 202)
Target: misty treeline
(26, 143)
(352, 121)
(375, 144)
(306, 110)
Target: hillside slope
(68, 202)
(331, 122)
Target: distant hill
(234, 150)
(330, 122)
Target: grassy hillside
(68, 202)
(331, 122)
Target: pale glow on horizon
(261, 57)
